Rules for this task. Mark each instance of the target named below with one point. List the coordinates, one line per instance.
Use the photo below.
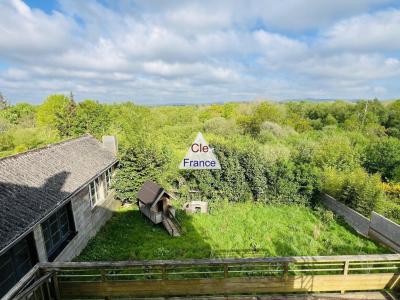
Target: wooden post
(345, 271)
(225, 271)
(164, 272)
(103, 275)
(56, 287)
(104, 279)
(285, 270)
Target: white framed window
(93, 193)
(108, 178)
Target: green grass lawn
(230, 230)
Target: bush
(336, 152)
(6, 142)
(355, 188)
(229, 182)
(245, 175)
(390, 209)
(383, 156)
(220, 126)
(271, 131)
(138, 164)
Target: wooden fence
(226, 276)
(377, 227)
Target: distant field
(230, 230)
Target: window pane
(64, 218)
(56, 232)
(93, 192)
(21, 255)
(14, 264)
(54, 228)
(49, 245)
(53, 219)
(56, 237)
(7, 277)
(6, 268)
(64, 230)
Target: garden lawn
(230, 230)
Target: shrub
(383, 156)
(355, 188)
(392, 190)
(390, 207)
(246, 175)
(336, 152)
(6, 142)
(271, 153)
(271, 131)
(332, 182)
(221, 126)
(229, 182)
(290, 183)
(138, 164)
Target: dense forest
(269, 152)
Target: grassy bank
(230, 230)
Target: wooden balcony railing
(222, 276)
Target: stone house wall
(87, 221)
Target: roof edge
(49, 146)
(16, 239)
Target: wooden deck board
(321, 296)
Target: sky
(163, 52)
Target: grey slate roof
(34, 183)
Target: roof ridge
(48, 146)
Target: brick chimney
(110, 143)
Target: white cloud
(350, 67)
(368, 32)
(199, 51)
(25, 31)
(297, 15)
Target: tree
(393, 122)
(264, 112)
(383, 156)
(371, 111)
(3, 102)
(58, 112)
(92, 117)
(138, 164)
(20, 113)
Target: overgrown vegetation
(230, 230)
(275, 153)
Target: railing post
(163, 272)
(225, 271)
(56, 287)
(285, 270)
(103, 275)
(345, 271)
(104, 279)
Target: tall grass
(229, 230)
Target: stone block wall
(88, 222)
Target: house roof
(34, 183)
(150, 192)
